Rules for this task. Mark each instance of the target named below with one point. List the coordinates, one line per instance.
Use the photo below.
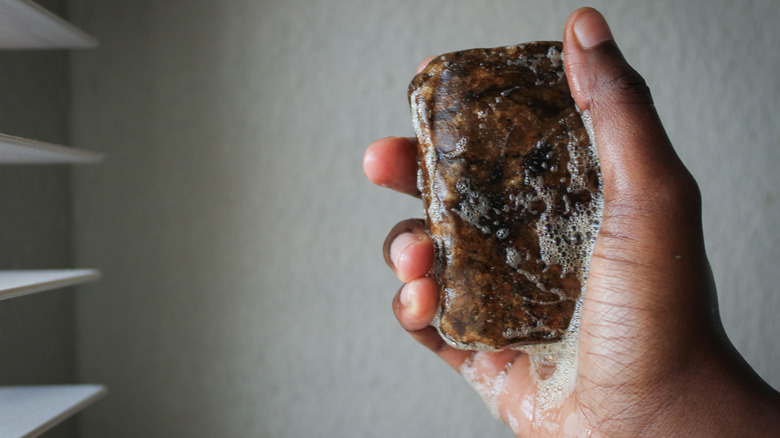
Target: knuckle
(660, 201)
(626, 86)
(630, 215)
(679, 189)
(672, 187)
(626, 206)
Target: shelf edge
(78, 39)
(39, 152)
(92, 393)
(79, 276)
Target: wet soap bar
(512, 192)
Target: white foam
(475, 207)
(435, 206)
(489, 388)
(553, 390)
(514, 425)
(555, 56)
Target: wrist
(721, 396)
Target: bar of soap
(511, 187)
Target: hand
(653, 357)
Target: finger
(425, 62)
(631, 140)
(651, 228)
(408, 250)
(644, 180)
(392, 162)
(415, 307)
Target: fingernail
(591, 29)
(399, 245)
(405, 296)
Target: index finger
(392, 162)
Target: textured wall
(244, 291)
(36, 332)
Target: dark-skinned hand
(653, 357)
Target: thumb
(630, 138)
(651, 229)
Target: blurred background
(244, 290)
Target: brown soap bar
(512, 192)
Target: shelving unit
(28, 411)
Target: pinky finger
(415, 307)
(416, 303)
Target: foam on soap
(554, 387)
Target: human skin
(653, 357)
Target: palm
(620, 357)
(615, 364)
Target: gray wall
(37, 344)
(244, 291)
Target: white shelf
(26, 25)
(18, 283)
(17, 150)
(28, 411)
